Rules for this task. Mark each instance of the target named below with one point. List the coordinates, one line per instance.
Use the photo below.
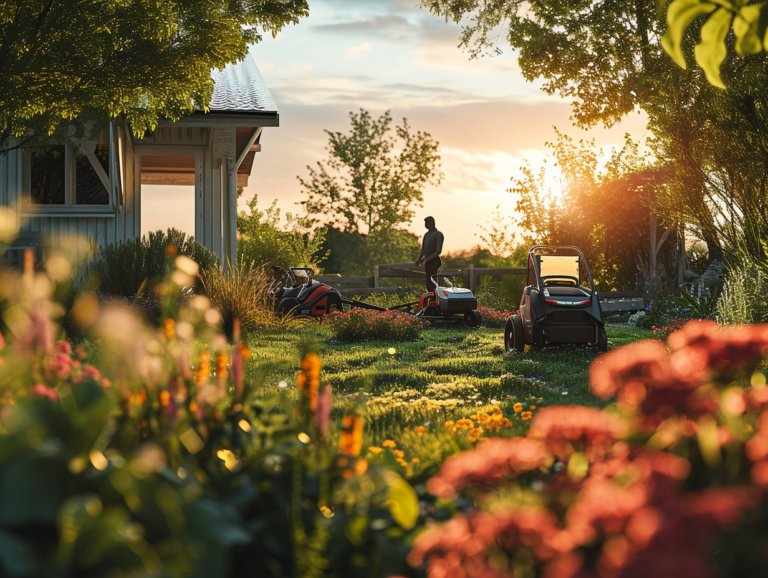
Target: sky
(392, 55)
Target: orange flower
(375, 450)
(416, 460)
(165, 398)
(399, 453)
(203, 367)
(465, 424)
(221, 365)
(526, 415)
(420, 430)
(169, 327)
(518, 407)
(532, 407)
(475, 434)
(351, 439)
(449, 424)
(245, 353)
(309, 379)
(388, 444)
(361, 466)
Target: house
(97, 194)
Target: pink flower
(43, 391)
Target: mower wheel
(472, 318)
(602, 339)
(513, 334)
(287, 306)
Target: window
(48, 177)
(76, 177)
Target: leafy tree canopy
(71, 62)
(372, 179)
(747, 19)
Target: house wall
(215, 194)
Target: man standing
(431, 247)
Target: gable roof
(240, 88)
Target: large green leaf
(402, 502)
(711, 51)
(679, 16)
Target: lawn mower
(559, 304)
(295, 292)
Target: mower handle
(435, 277)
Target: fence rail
(348, 286)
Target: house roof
(240, 88)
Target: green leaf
(403, 503)
(745, 27)
(711, 51)
(679, 16)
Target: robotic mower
(559, 304)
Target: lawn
(448, 374)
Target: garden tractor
(559, 303)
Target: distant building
(97, 195)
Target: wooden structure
(92, 188)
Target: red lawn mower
(560, 303)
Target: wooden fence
(470, 276)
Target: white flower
(283, 384)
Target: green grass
(468, 366)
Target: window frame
(115, 177)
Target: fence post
(472, 277)
(375, 275)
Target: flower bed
(368, 325)
(493, 318)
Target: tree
(262, 240)
(608, 57)
(75, 62)
(371, 180)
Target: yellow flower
(203, 367)
(465, 423)
(388, 444)
(375, 449)
(399, 453)
(526, 415)
(449, 424)
(475, 433)
(169, 327)
(351, 439)
(518, 407)
(420, 430)
(309, 379)
(221, 365)
(416, 460)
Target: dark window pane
(48, 177)
(89, 188)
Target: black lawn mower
(559, 303)
(295, 292)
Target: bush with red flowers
(493, 318)
(666, 330)
(669, 482)
(369, 325)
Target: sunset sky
(391, 55)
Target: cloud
(354, 51)
(389, 26)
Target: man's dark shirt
(432, 243)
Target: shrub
(264, 243)
(493, 318)
(367, 325)
(240, 294)
(128, 267)
(744, 298)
